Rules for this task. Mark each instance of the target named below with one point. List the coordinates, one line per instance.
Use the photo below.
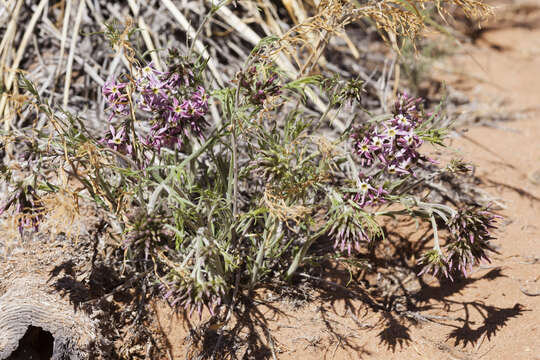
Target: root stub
(35, 324)
(35, 344)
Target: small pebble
(534, 177)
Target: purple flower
(404, 166)
(112, 90)
(116, 97)
(368, 195)
(177, 111)
(199, 96)
(376, 143)
(364, 151)
(401, 121)
(258, 91)
(148, 70)
(117, 140)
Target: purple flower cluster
(468, 245)
(257, 91)
(470, 234)
(177, 103)
(349, 232)
(391, 146)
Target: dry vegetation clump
(265, 143)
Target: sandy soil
(494, 314)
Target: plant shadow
(394, 333)
(381, 289)
(115, 297)
(403, 307)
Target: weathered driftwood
(28, 302)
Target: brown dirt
(495, 313)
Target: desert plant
(217, 210)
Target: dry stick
(145, 34)
(4, 108)
(352, 47)
(428, 317)
(24, 42)
(191, 33)
(115, 63)
(5, 50)
(67, 12)
(90, 70)
(38, 53)
(271, 16)
(384, 81)
(8, 36)
(315, 56)
(295, 9)
(72, 52)
(4, 105)
(397, 53)
(149, 43)
(529, 293)
(271, 342)
(301, 16)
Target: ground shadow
(116, 296)
(467, 332)
(122, 300)
(494, 318)
(395, 332)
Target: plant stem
(436, 245)
(303, 251)
(235, 168)
(234, 144)
(134, 142)
(212, 11)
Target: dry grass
(62, 215)
(38, 36)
